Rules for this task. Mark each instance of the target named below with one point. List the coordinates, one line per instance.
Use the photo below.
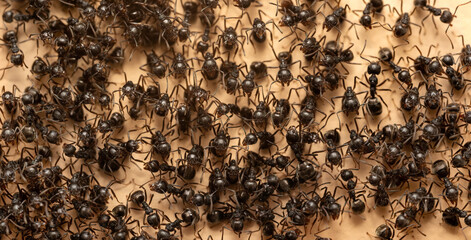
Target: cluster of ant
(63, 129)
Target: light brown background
(348, 227)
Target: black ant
(259, 29)
(289, 19)
(230, 38)
(426, 66)
(454, 77)
(310, 46)
(190, 11)
(280, 116)
(207, 17)
(10, 16)
(333, 156)
(230, 71)
(334, 54)
(194, 94)
(257, 70)
(385, 232)
(402, 26)
(220, 143)
(357, 205)
(155, 64)
(316, 83)
(452, 215)
(350, 102)
(284, 75)
(308, 110)
(244, 4)
(410, 99)
(433, 97)
(445, 14)
(139, 197)
(371, 8)
(180, 67)
(54, 70)
(10, 40)
(387, 57)
(203, 45)
(262, 112)
(9, 100)
(210, 68)
(338, 16)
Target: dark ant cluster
(226, 135)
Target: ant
(262, 112)
(332, 140)
(350, 102)
(139, 197)
(356, 204)
(386, 56)
(10, 16)
(423, 199)
(306, 115)
(371, 8)
(297, 140)
(451, 216)
(385, 232)
(210, 68)
(425, 65)
(155, 64)
(158, 140)
(410, 99)
(230, 71)
(9, 100)
(180, 67)
(190, 11)
(194, 95)
(207, 17)
(259, 29)
(451, 192)
(237, 215)
(265, 217)
(168, 32)
(257, 70)
(183, 116)
(220, 143)
(402, 26)
(334, 20)
(329, 207)
(310, 46)
(451, 117)
(317, 83)
(407, 218)
(244, 4)
(444, 15)
(230, 38)
(380, 194)
(284, 75)
(334, 54)
(290, 17)
(186, 194)
(454, 77)
(117, 221)
(203, 45)
(359, 142)
(433, 97)
(16, 55)
(373, 105)
(280, 117)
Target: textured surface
(348, 227)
